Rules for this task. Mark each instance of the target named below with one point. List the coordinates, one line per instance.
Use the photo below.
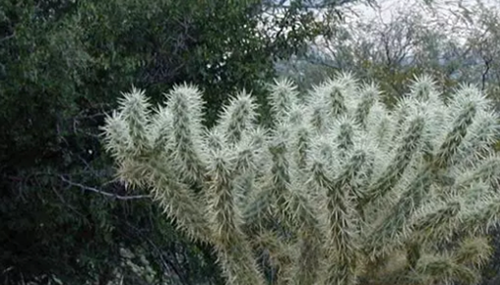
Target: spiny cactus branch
(336, 189)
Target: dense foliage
(62, 66)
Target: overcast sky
(389, 8)
(445, 15)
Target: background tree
(453, 42)
(62, 65)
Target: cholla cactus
(339, 190)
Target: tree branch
(6, 38)
(92, 189)
(485, 73)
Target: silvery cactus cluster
(335, 189)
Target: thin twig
(11, 36)
(92, 189)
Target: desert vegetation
(75, 210)
(336, 190)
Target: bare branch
(92, 189)
(6, 38)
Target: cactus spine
(339, 190)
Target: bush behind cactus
(337, 190)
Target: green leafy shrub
(336, 190)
